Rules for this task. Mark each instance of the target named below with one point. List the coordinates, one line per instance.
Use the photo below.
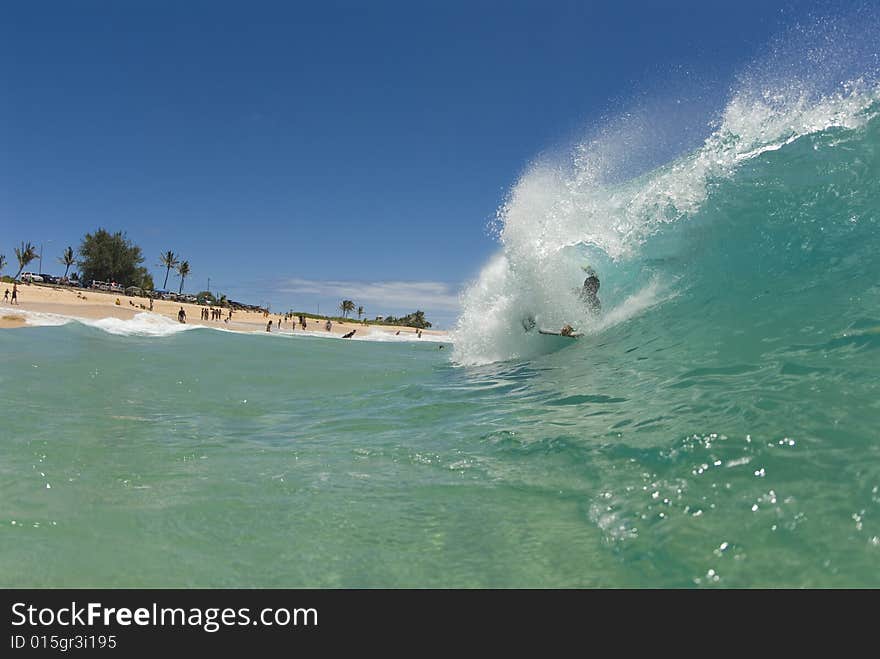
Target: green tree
(416, 319)
(25, 254)
(183, 270)
(67, 259)
(146, 280)
(346, 307)
(109, 256)
(360, 312)
(169, 260)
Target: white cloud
(425, 295)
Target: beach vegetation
(147, 280)
(183, 270)
(67, 259)
(346, 307)
(360, 312)
(25, 254)
(205, 297)
(416, 319)
(168, 260)
(111, 257)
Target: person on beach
(350, 334)
(269, 326)
(151, 304)
(6, 296)
(14, 294)
(181, 316)
(328, 325)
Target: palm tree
(170, 260)
(25, 254)
(2, 262)
(360, 312)
(346, 307)
(183, 271)
(67, 260)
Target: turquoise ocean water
(716, 427)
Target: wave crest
(561, 213)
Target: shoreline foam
(54, 306)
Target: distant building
(379, 319)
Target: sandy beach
(91, 304)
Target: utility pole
(41, 255)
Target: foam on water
(38, 319)
(584, 208)
(146, 324)
(142, 324)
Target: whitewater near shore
(47, 305)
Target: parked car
(49, 279)
(31, 277)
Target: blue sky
(298, 153)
